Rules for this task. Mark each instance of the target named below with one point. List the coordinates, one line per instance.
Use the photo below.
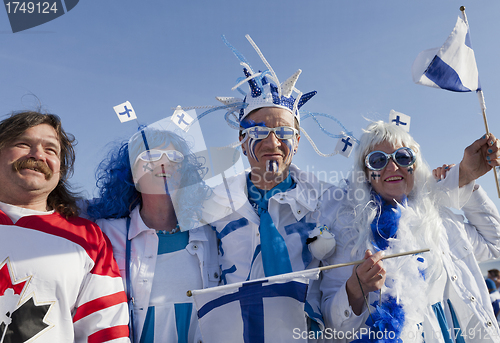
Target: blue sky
(160, 54)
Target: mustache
(33, 164)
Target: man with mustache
(58, 279)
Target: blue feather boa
(385, 225)
(386, 323)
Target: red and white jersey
(59, 282)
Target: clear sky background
(160, 54)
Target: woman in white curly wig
(394, 204)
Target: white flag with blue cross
(344, 145)
(266, 310)
(182, 119)
(400, 119)
(452, 66)
(125, 112)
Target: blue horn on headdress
(256, 91)
(305, 98)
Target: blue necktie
(275, 257)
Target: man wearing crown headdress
(270, 211)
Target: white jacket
(465, 244)
(295, 213)
(144, 248)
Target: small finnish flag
(125, 112)
(181, 119)
(344, 145)
(400, 119)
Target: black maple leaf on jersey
(27, 322)
(18, 323)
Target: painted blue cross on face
(270, 141)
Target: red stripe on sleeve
(109, 334)
(79, 231)
(99, 304)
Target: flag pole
(483, 108)
(413, 252)
(301, 273)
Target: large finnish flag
(452, 67)
(265, 310)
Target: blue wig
(118, 195)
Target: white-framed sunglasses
(261, 132)
(154, 155)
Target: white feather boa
(408, 278)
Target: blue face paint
(252, 144)
(272, 166)
(165, 180)
(289, 144)
(146, 167)
(410, 170)
(374, 176)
